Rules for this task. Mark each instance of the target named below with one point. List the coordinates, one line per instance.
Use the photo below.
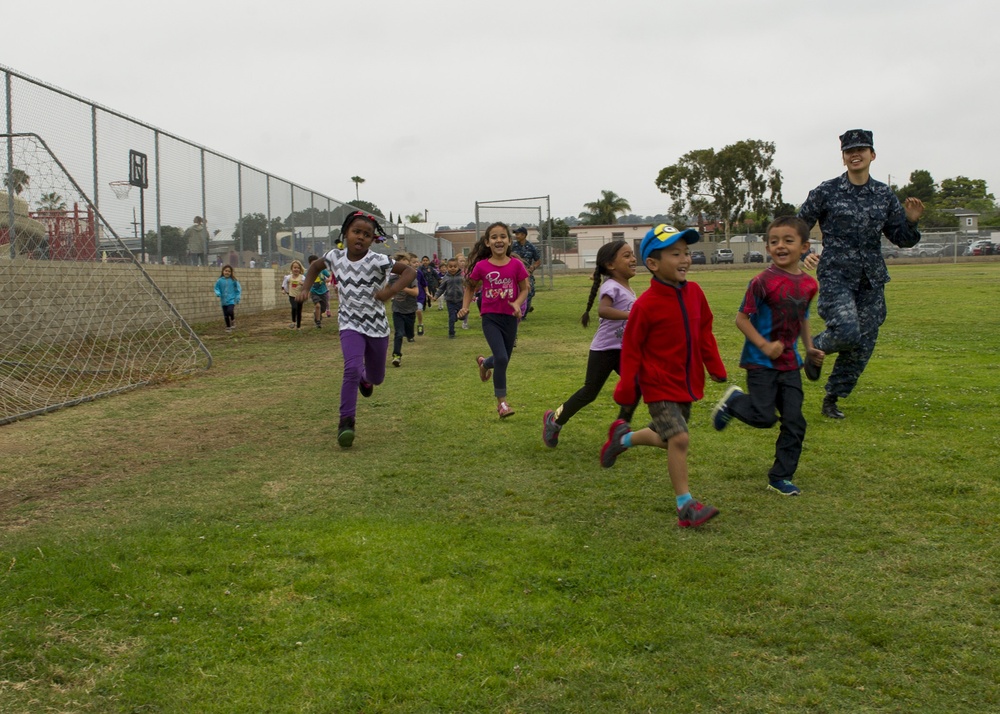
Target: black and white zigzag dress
(357, 283)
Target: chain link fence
(244, 211)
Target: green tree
(254, 225)
(963, 192)
(727, 183)
(604, 211)
(51, 202)
(17, 180)
(921, 186)
(172, 243)
(414, 218)
(357, 183)
(366, 206)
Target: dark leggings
(501, 333)
(600, 365)
(229, 312)
(296, 311)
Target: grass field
(205, 546)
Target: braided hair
(605, 257)
(380, 234)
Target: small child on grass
(773, 316)
(667, 346)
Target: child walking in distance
(423, 292)
(463, 269)
(774, 314)
(616, 262)
(319, 293)
(291, 286)
(404, 307)
(227, 289)
(667, 346)
(364, 329)
(452, 289)
(504, 284)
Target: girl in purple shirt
(504, 286)
(616, 261)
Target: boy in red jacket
(667, 346)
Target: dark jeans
(296, 311)
(402, 323)
(769, 390)
(600, 365)
(229, 312)
(501, 333)
(453, 308)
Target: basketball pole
(142, 223)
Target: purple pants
(364, 360)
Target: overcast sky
(440, 103)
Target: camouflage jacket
(527, 252)
(853, 220)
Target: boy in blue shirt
(773, 316)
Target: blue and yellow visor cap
(663, 236)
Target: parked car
(890, 251)
(753, 256)
(923, 250)
(722, 255)
(698, 257)
(982, 247)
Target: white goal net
(79, 317)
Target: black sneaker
(420, 329)
(397, 360)
(812, 370)
(720, 414)
(345, 432)
(366, 388)
(830, 409)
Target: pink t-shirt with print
(500, 284)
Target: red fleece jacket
(667, 346)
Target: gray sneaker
(695, 514)
(550, 429)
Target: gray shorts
(322, 300)
(669, 418)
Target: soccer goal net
(534, 214)
(80, 317)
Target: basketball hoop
(121, 188)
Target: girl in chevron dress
(361, 276)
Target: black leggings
(296, 311)
(229, 312)
(600, 365)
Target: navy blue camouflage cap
(663, 236)
(854, 138)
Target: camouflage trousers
(853, 315)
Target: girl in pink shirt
(504, 286)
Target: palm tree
(357, 182)
(604, 211)
(51, 202)
(17, 180)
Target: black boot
(830, 409)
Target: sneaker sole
(346, 438)
(771, 487)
